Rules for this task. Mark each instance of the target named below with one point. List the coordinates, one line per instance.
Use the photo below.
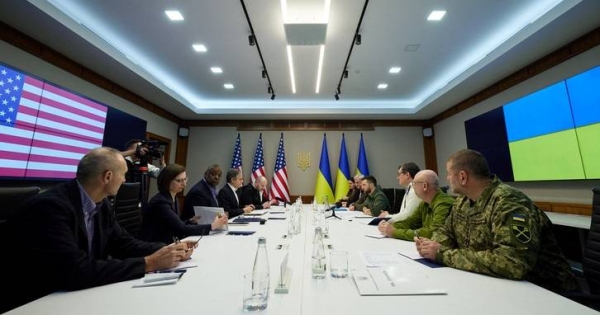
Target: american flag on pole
(236, 160)
(258, 168)
(279, 185)
(44, 130)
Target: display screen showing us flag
(44, 129)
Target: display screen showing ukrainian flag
(551, 134)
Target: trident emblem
(303, 160)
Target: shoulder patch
(521, 232)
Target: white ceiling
(132, 42)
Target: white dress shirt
(410, 202)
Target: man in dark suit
(204, 193)
(67, 238)
(253, 194)
(230, 194)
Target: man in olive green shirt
(497, 230)
(429, 215)
(375, 200)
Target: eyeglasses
(180, 180)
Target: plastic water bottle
(260, 279)
(318, 256)
(298, 220)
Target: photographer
(139, 155)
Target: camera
(154, 150)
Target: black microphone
(284, 201)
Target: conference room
(310, 92)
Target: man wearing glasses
(410, 202)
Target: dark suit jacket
(199, 195)
(47, 239)
(161, 223)
(251, 196)
(228, 201)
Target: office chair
(12, 197)
(394, 196)
(591, 259)
(128, 208)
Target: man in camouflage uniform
(495, 229)
(375, 200)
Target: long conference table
(215, 285)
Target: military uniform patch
(521, 233)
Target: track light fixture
(264, 74)
(270, 90)
(251, 41)
(338, 91)
(358, 40)
(345, 74)
(272, 97)
(337, 97)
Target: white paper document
(410, 253)
(378, 259)
(154, 279)
(375, 235)
(394, 280)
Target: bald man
(429, 215)
(252, 194)
(67, 238)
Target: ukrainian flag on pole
(343, 173)
(363, 167)
(323, 186)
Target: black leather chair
(12, 197)
(591, 260)
(394, 196)
(128, 208)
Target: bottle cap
(262, 240)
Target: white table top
(215, 286)
(572, 220)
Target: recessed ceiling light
(228, 86)
(216, 70)
(199, 47)
(382, 86)
(436, 15)
(174, 15)
(395, 70)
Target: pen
(417, 235)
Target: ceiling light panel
(216, 70)
(395, 70)
(382, 86)
(174, 15)
(199, 48)
(436, 15)
(291, 66)
(228, 86)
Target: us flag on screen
(236, 160)
(44, 130)
(258, 168)
(279, 185)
